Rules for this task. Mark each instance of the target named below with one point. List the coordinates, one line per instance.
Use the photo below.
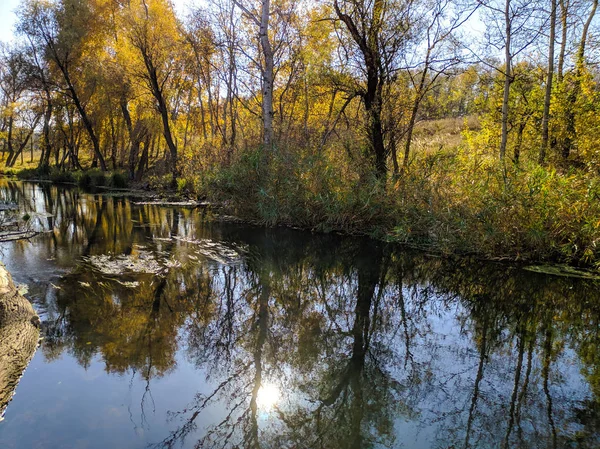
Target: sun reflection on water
(268, 396)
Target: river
(164, 327)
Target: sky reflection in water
(163, 328)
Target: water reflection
(311, 341)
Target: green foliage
(160, 183)
(90, 179)
(62, 177)
(118, 180)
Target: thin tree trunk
(507, 81)
(548, 98)
(571, 132)
(564, 14)
(46, 146)
(267, 78)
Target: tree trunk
(519, 144)
(19, 337)
(507, 81)
(413, 120)
(548, 98)
(87, 123)
(157, 92)
(13, 155)
(574, 92)
(135, 137)
(9, 142)
(367, 41)
(564, 14)
(143, 159)
(267, 78)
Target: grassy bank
(448, 201)
(86, 179)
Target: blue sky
(7, 18)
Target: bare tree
(380, 32)
(261, 21)
(549, 78)
(442, 53)
(514, 27)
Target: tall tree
(154, 34)
(380, 31)
(261, 20)
(61, 29)
(571, 132)
(513, 27)
(549, 78)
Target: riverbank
(19, 337)
(448, 203)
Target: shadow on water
(299, 340)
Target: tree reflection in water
(317, 341)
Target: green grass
(88, 179)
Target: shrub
(61, 177)
(28, 173)
(457, 201)
(90, 179)
(118, 180)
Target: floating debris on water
(140, 262)
(128, 284)
(209, 249)
(564, 271)
(173, 203)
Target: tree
(442, 54)
(19, 109)
(575, 90)
(549, 78)
(380, 31)
(61, 30)
(152, 31)
(515, 27)
(261, 21)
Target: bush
(90, 179)
(28, 173)
(160, 183)
(42, 172)
(61, 177)
(118, 180)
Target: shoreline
(227, 213)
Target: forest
(459, 126)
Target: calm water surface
(164, 329)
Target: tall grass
(452, 202)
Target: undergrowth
(450, 202)
(86, 179)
